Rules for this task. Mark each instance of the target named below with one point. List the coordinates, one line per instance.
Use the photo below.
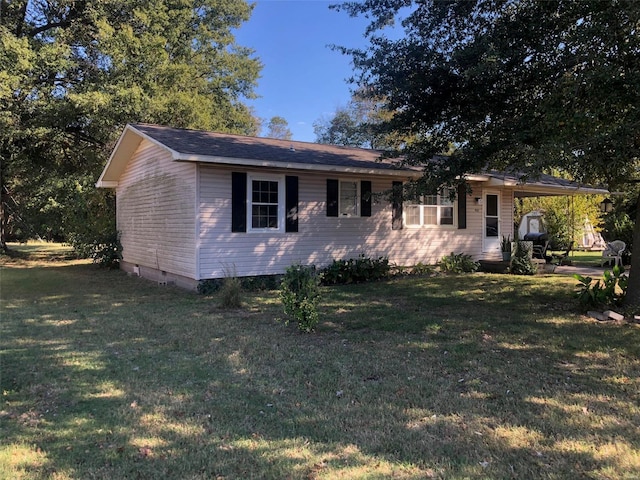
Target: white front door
(491, 222)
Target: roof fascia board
(501, 182)
(476, 178)
(294, 165)
(101, 183)
(122, 152)
(534, 190)
(107, 184)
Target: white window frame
(357, 199)
(251, 177)
(438, 207)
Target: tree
(278, 127)
(564, 216)
(525, 86)
(72, 74)
(341, 129)
(356, 125)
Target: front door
(491, 223)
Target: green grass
(475, 376)
(586, 258)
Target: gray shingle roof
(202, 143)
(222, 148)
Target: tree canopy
(525, 85)
(355, 125)
(278, 127)
(73, 73)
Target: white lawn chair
(613, 251)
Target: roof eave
(541, 191)
(294, 165)
(126, 146)
(535, 189)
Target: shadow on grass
(112, 377)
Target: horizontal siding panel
(320, 239)
(156, 211)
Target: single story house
(196, 205)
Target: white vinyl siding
(156, 212)
(320, 238)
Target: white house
(195, 205)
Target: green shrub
(254, 283)
(606, 292)
(458, 263)
(209, 286)
(521, 261)
(421, 269)
(257, 283)
(300, 292)
(104, 250)
(355, 270)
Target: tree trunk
(632, 298)
(3, 211)
(3, 223)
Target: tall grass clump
(231, 290)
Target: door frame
(491, 244)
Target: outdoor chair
(540, 252)
(613, 252)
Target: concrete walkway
(593, 272)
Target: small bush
(458, 263)
(421, 269)
(259, 283)
(209, 286)
(355, 270)
(606, 292)
(254, 283)
(105, 251)
(521, 261)
(300, 292)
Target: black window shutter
(238, 202)
(462, 206)
(396, 206)
(332, 198)
(291, 204)
(365, 198)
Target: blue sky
(302, 78)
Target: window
(262, 203)
(348, 198)
(431, 210)
(266, 205)
(349, 205)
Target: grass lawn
(476, 376)
(586, 258)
